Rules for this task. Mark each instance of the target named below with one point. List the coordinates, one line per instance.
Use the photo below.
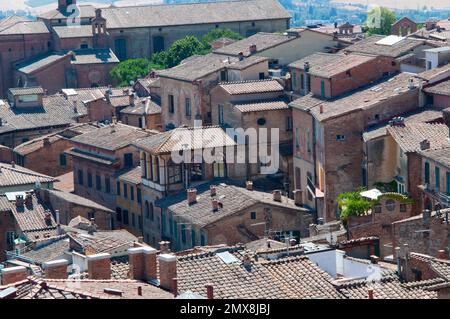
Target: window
(322, 88)
(171, 104)
(223, 76)
(193, 237)
(297, 137)
(173, 172)
(132, 192)
(437, 178)
(10, 237)
(150, 212)
(262, 75)
(289, 123)
(390, 205)
(253, 215)
(427, 173)
(125, 190)
(133, 220)
(128, 159)
(202, 240)
(139, 222)
(219, 169)
(62, 160)
(139, 195)
(187, 106)
(98, 182)
(84, 46)
(163, 222)
(261, 121)
(107, 185)
(140, 123)
(294, 80)
(118, 188)
(80, 177)
(196, 172)
(91, 215)
(308, 142)
(121, 49)
(89, 179)
(302, 81)
(183, 234)
(119, 214)
(220, 108)
(340, 137)
(447, 183)
(125, 217)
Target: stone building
(216, 214)
(99, 155)
(328, 145)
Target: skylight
(390, 40)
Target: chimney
(292, 242)
(215, 205)
(56, 269)
(139, 291)
(411, 84)
(99, 266)
(277, 195)
(192, 196)
(142, 263)
(209, 291)
(247, 261)
(28, 199)
(19, 200)
(75, 108)
(446, 116)
(57, 216)
(425, 145)
(109, 92)
(164, 247)
(48, 218)
(306, 66)
(321, 108)
(249, 185)
(175, 287)
(13, 164)
(298, 197)
(241, 56)
(13, 274)
(167, 270)
(374, 259)
(426, 215)
(212, 190)
(442, 254)
(252, 48)
(370, 293)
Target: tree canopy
(352, 203)
(379, 21)
(130, 70)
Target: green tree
(379, 21)
(352, 204)
(219, 33)
(130, 70)
(182, 49)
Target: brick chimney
(370, 293)
(442, 254)
(28, 199)
(425, 145)
(56, 269)
(192, 196)
(164, 247)
(215, 205)
(298, 197)
(252, 48)
(99, 266)
(213, 190)
(209, 291)
(374, 259)
(46, 141)
(142, 263)
(249, 185)
(277, 195)
(167, 270)
(19, 201)
(13, 274)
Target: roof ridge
(248, 81)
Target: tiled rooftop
(37, 143)
(23, 27)
(193, 13)
(363, 98)
(369, 46)
(262, 40)
(441, 156)
(37, 63)
(133, 176)
(77, 200)
(197, 67)
(409, 136)
(55, 111)
(185, 138)
(234, 199)
(262, 106)
(441, 88)
(18, 175)
(251, 87)
(327, 65)
(109, 139)
(94, 56)
(52, 251)
(141, 107)
(85, 11)
(75, 31)
(26, 90)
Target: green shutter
(447, 179)
(437, 177)
(322, 88)
(427, 172)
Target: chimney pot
(374, 259)
(298, 197)
(213, 190)
(215, 205)
(167, 270)
(209, 291)
(99, 266)
(164, 247)
(370, 293)
(13, 274)
(425, 145)
(19, 201)
(277, 195)
(426, 215)
(139, 291)
(249, 185)
(192, 196)
(56, 269)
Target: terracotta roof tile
(262, 106)
(250, 87)
(18, 175)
